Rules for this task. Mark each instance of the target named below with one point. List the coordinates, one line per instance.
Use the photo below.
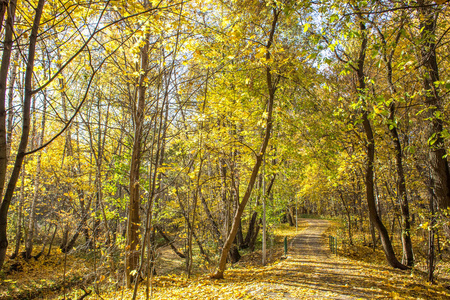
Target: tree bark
(259, 157)
(440, 172)
(3, 7)
(4, 69)
(392, 126)
(214, 227)
(37, 183)
(133, 226)
(251, 229)
(349, 219)
(25, 129)
(369, 180)
(20, 216)
(9, 127)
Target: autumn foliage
(149, 146)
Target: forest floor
(310, 271)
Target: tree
(259, 155)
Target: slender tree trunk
(4, 70)
(349, 220)
(25, 127)
(259, 158)
(214, 227)
(403, 198)
(133, 226)
(37, 183)
(252, 243)
(51, 241)
(369, 180)
(19, 233)
(194, 211)
(392, 126)
(9, 127)
(431, 246)
(3, 7)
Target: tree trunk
(403, 198)
(252, 243)
(392, 126)
(37, 182)
(9, 127)
(431, 246)
(20, 215)
(3, 7)
(349, 219)
(259, 158)
(289, 216)
(133, 226)
(440, 172)
(240, 236)
(25, 127)
(4, 70)
(250, 232)
(234, 254)
(369, 180)
(214, 227)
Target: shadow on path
(312, 272)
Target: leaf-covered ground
(309, 272)
(44, 277)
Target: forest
(138, 134)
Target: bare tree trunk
(191, 229)
(51, 241)
(252, 243)
(251, 229)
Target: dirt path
(311, 271)
(311, 266)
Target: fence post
(285, 246)
(335, 245)
(329, 241)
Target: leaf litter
(310, 271)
